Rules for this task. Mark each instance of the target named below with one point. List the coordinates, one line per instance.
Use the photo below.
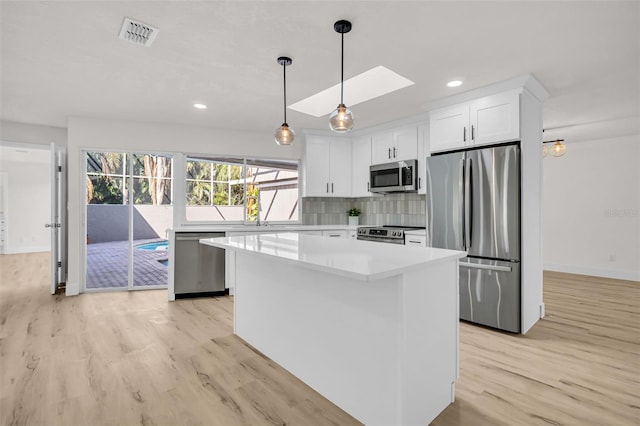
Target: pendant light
(557, 150)
(285, 135)
(341, 120)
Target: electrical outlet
(612, 258)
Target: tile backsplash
(390, 209)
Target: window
(238, 190)
(108, 176)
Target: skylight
(370, 84)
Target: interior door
(55, 224)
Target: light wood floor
(134, 358)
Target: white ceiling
(61, 59)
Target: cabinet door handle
(473, 133)
(327, 187)
(332, 187)
(419, 182)
(394, 152)
(368, 189)
(389, 153)
(464, 134)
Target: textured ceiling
(61, 59)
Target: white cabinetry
(361, 160)
(423, 152)
(327, 167)
(395, 145)
(415, 240)
(486, 120)
(343, 233)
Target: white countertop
(261, 228)
(362, 260)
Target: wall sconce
(557, 150)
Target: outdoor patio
(107, 265)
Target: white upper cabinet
(361, 160)
(448, 127)
(487, 120)
(327, 167)
(395, 145)
(495, 118)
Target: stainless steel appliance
(399, 176)
(199, 269)
(384, 234)
(473, 204)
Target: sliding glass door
(128, 210)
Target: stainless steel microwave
(399, 176)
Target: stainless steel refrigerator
(473, 204)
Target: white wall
(11, 131)
(87, 133)
(591, 207)
(28, 198)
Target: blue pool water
(158, 245)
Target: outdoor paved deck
(107, 265)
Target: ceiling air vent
(137, 32)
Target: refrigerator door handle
(470, 209)
(488, 267)
(467, 204)
(463, 207)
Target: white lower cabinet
(415, 240)
(336, 234)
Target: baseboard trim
(20, 250)
(595, 272)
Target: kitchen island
(372, 327)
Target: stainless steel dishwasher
(199, 269)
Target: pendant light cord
(342, 71)
(284, 73)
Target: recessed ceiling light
(200, 106)
(370, 84)
(454, 83)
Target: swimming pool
(158, 245)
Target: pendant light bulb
(341, 120)
(558, 149)
(284, 134)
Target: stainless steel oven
(384, 234)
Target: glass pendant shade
(545, 151)
(341, 120)
(558, 149)
(285, 135)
